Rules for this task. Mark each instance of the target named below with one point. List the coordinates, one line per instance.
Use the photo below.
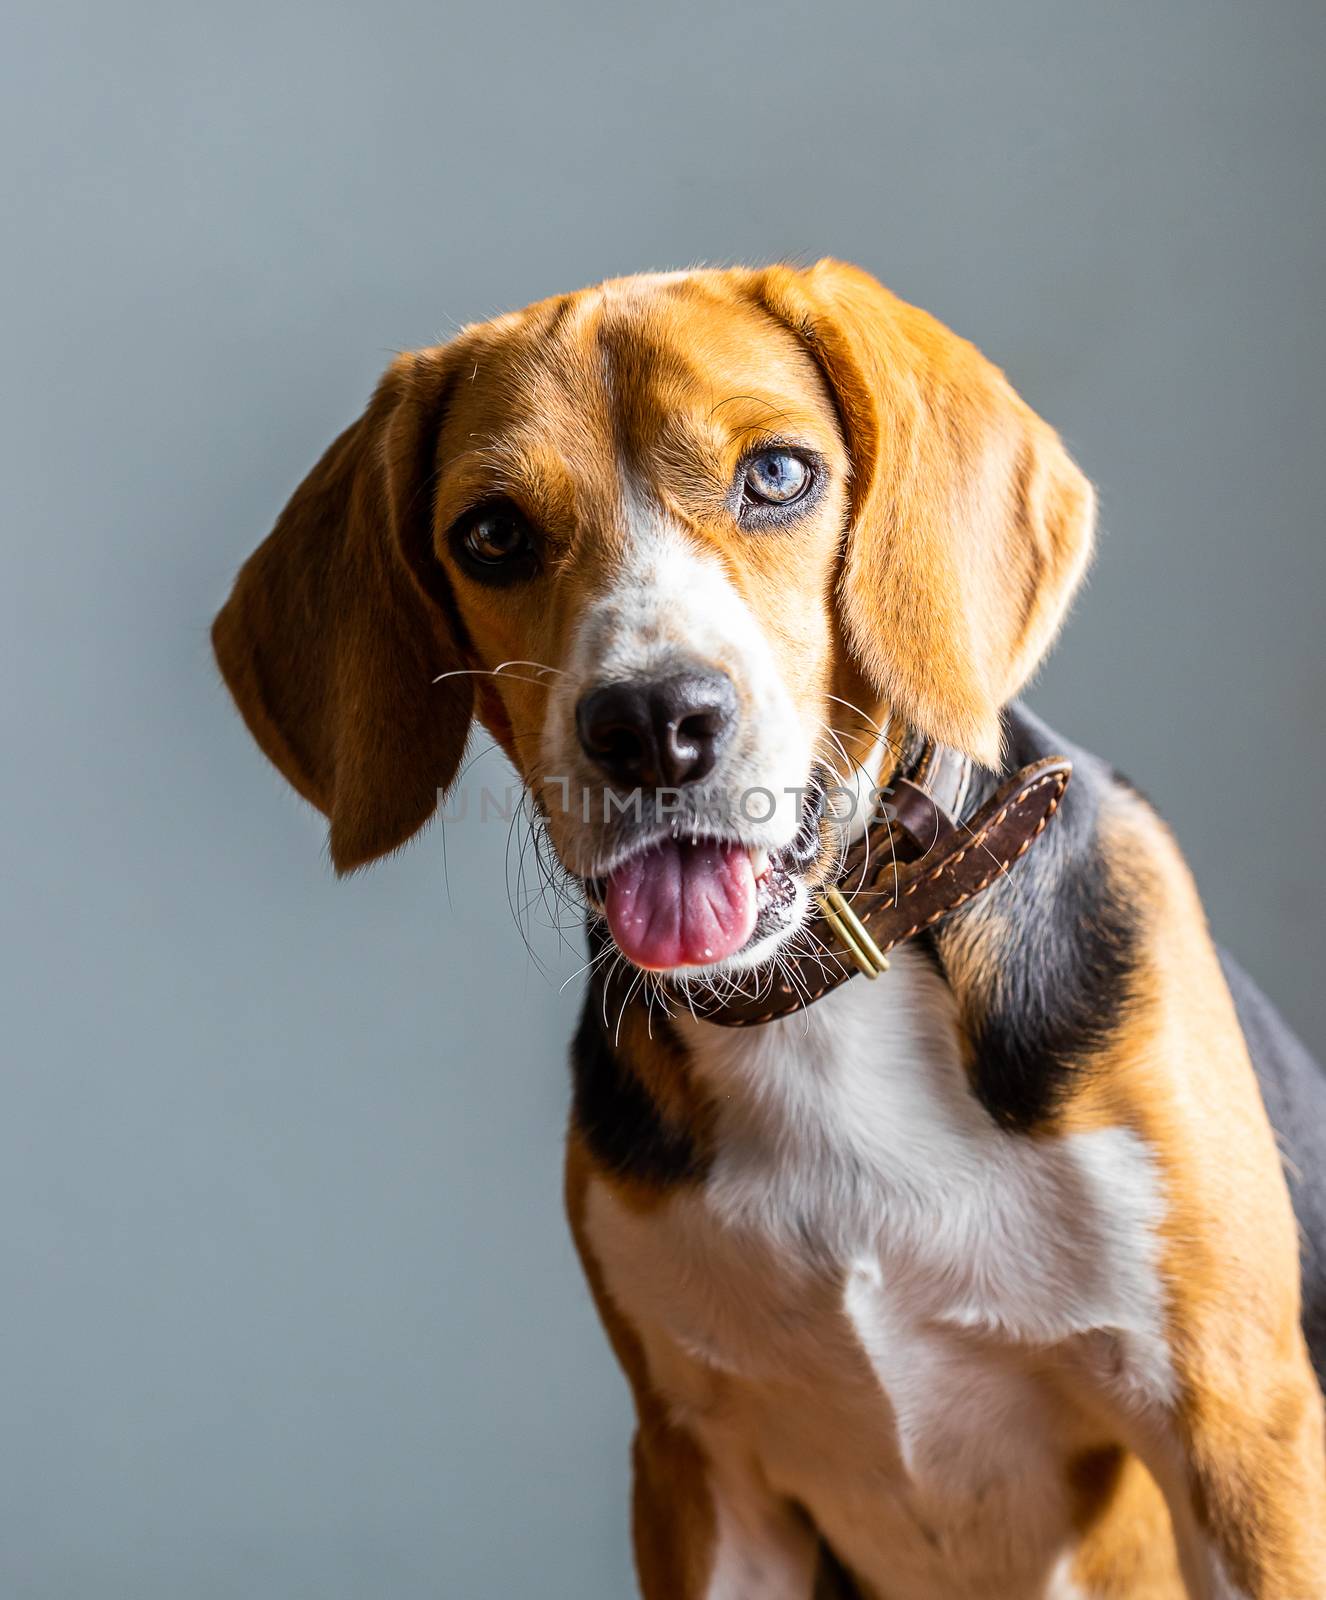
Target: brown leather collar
(900, 877)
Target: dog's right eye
(495, 542)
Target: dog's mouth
(693, 901)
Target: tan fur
(1126, 1550)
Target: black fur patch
(832, 1579)
(621, 1125)
(1063, 956)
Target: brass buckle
(856, 937)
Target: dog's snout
(661, 733)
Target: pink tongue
(682, 905)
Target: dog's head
(696, 549)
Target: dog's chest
(879, 1293)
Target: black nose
(659, 733)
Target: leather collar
(919, 862)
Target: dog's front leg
(703, 1531)
(704, 1524)
(1242, 1469)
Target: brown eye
(496, 544)
(775, 478)
(496, 536)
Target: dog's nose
(660, 733)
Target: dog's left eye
(775, 478)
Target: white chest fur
(876, 1292)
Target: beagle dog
(917, 1157)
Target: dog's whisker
(540, 666)
(636, 982)
(604, 956)
(553, 879)
(842, 842)
(521, 927)
(881, 732)
(490, 672)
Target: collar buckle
(855, 936)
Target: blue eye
(775, 478)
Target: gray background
(289, 1309)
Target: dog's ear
(340, 621)
(971, 525)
